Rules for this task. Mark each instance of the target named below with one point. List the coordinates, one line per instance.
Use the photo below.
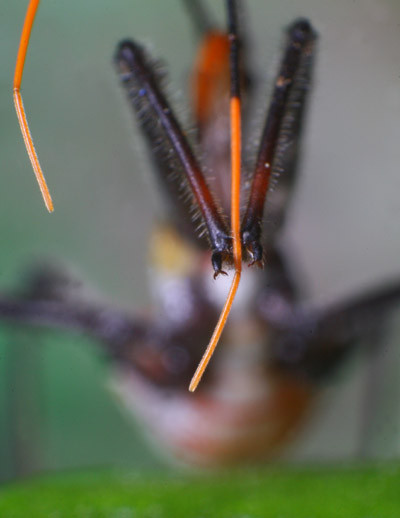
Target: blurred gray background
(343, 229)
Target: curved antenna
(19, 105)
(235, 118)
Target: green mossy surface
(372, 492)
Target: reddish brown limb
(293, 78)
(165, 133)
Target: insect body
(274, 351)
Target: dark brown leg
(312, 343)
(199, 16)
(173, 154)
(281, 129)
(163, 351)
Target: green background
(342, 233)
(357, 493)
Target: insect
(255, 395)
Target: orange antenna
(19, 105)
(235, 119)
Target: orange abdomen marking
(211, 75)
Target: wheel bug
(272, 265)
